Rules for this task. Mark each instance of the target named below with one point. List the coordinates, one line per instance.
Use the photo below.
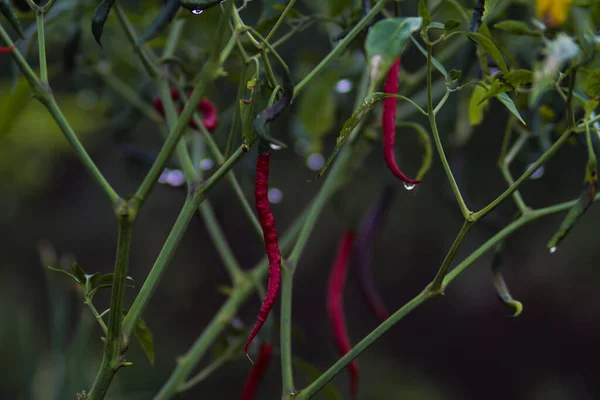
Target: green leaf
(519, 77)
(438, 65)
(508, 103)
(144, 336)
(385, 41)
(490, 48)
(451, 25)
(516, 28)
(490, 7)
(165, 16)
(270, 11)
(78, 273)
(455, 75)
(592, 84)
(329, 391)
(434, 25)
(99, 19)
(317, 108)
(476, 108)
(198, 6)
(424, 14)
(9, 14)
(494, 90)
(585, 200)
(62, 271)
(362, 110)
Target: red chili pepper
(335, 306)
(210, 115)
(258, 372)
(265, 216)
(389, 123)
(6, 50)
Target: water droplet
(275, 195)
(409, 186)
(538, 173)
(343, 86)
(197, 11)
(176, 178)
(206, 164)
(315, 161)
(164, 176)
(553, 249)
(274, 146)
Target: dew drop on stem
(274, 146)
(197, 11)
(553, 249)
(409, 186)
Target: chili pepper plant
(227, 80)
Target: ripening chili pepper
(210, 115)
(265, 216)
(6, 50)
(258, 372)
(335, 306)
(363, 250)
(389, 123)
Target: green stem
(39, 20)
(285, 328)
(436, 285)
(438, 142)
(236, 113)
(166, 254)
(281, 19)
(98, 317)
(115, 346)
(176, 382)
(339, 49)
(144, 55)
(361, 346)
(545, 157)
(336, 368)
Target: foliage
(543, 71)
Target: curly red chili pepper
(210, 115)
(335, 307)
(258, 372)
(6, 50)
(265, 216)
(389, 123)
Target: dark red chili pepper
(389, 123)
(6, 50)
(265, 216)
(363, 250)
(258, 372)
(210, 115)
(335, 306)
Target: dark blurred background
(463, 345)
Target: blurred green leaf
(455, 75)
(592, 84)
(489, 8)
(424, 14)
(164, 17)
(516, 28)
(495, 89)
(78, 273)
(329, 391)
(476, 108)
(270, 11)
(518, 77)
(508, 103)
(387, 40)
(451, 25)
(144, 336)
(318, 106)
(66, 273)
